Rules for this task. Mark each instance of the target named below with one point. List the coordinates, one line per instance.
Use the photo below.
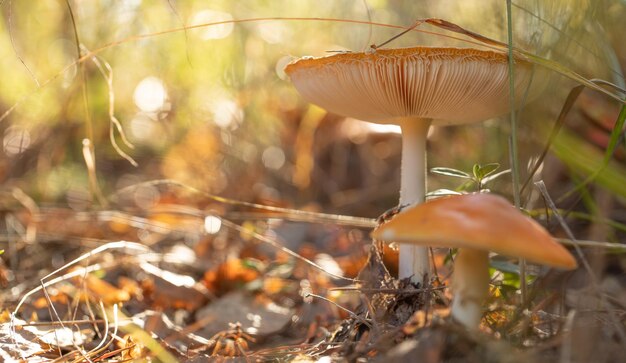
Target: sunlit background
(211, 107)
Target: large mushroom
(475, 224)
(413, 88)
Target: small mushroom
(475, 224)
(413, 88)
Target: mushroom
(475, 224)
(412, 88)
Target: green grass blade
(560, 121)
(564, 71)
(587, 161)
(615, 135)
(513, 140)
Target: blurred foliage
(210, 106)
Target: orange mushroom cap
(447, 85)
(478, 221)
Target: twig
(566, 350)
(10, 21)
(109, 246)
(593, 244)
(287, 213)
(182, 22)
(351, 313)
(107, 73)
(69, 322)
(369, 19)
(44, 284)
(415, 25)
(388, 291)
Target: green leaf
(491, 177)
(482, 171)
(441, 193)
(476, 171)
(253, 264)
(504, 266)
(450, 172)
(469, 185)
(510, 273)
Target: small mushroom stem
(414, 261)
(470, 286)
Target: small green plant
(481, 175)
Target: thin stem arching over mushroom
(413, 88)
(475, 224)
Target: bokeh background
(210, 106)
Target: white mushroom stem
(414, 262)
(470, 286)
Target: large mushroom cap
(479, 221)
(447, 85)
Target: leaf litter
(241, 295)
